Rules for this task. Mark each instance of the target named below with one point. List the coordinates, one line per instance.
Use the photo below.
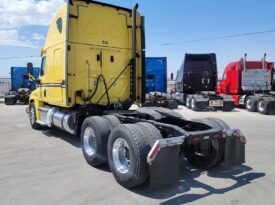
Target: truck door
(52, 76)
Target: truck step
(43, 109)
(41, 123)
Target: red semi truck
(249, 83)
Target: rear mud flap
(272, 107)
(164, 170)
(234, 151)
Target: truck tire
(172, 104)
(156, 113)
(188, 102)
(216, 146)
(194, 105)
(214, 122)
(151, 132)
(148, 103)
(251, 103)
(32, 117)
(216, 153)
(10, 100)
(127, 152)
(112, 121)
(94, 137)
(25, 101)
(262, 106)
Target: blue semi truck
(156, 74)
(22, 83)
(156, 84)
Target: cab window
(224, 77)
(43, 66)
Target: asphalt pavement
(47, 167)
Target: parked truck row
(92, 71)
(244, 83)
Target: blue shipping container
(18, 78)
(156, 74)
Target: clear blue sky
(23, 27)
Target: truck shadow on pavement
(57, 133)
(191, 178)
(179, 193)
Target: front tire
(127, 152)
(33, 117)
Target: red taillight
(243, 139)
(216, 136)
(196, 138)
(236, 132)
(224, 133)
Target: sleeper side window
(43, 66)
(59, 24)
(224, 77)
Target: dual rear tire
(251, 103)
(254, 104)
(215, 152)
(263, 106)
(123, 146)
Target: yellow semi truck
(92, 71)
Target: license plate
(215, 103)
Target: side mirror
(30, 68)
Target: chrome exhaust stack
(244, 61)
(134, 52)
(264, 60)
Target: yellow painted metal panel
(100, 41)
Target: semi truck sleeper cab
(250, 84)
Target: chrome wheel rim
(187, 102)
(121, 155)
(89, 141)
(249, 103)
(261, 106)
(193, 103)
(32, 115)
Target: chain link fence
(5, 86)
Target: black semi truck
(196, 84)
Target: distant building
(171, 86)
